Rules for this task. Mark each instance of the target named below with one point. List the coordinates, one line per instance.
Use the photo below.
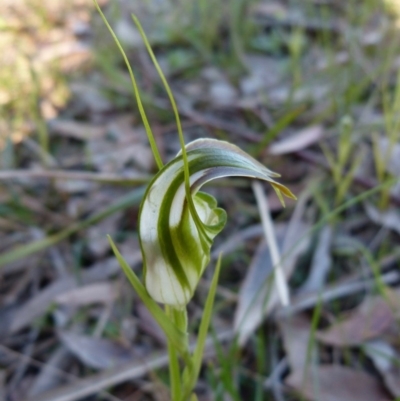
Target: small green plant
(218, 30)
(177, 225)
(383, 154)
(346, 161)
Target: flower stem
(174, 373)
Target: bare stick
(302, 303)
(98, 382)
(269, 233)
(73, 175)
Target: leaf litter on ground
(321, 381)
(97, 353)
(94, 140)
(298, 141)
(370, 327)
(369, 321)
(41, 302)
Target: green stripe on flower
(176, 246)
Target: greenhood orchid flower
(175, 243)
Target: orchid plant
(177, 225)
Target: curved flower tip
(176, 246)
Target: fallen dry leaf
(298, 141)
(123, 143)
(222, 93)
(257, 81)
(296, 334)
(321, 263)
(315, 93)
(369, 320)
(39, 304)
(322, 382)
(254, 294)
(51, 375)
(233, 241)
(76, 130)
(97, 240)
(98, 353)
(75, 186)
(387, 360)
(105, 292)
(337, 383)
